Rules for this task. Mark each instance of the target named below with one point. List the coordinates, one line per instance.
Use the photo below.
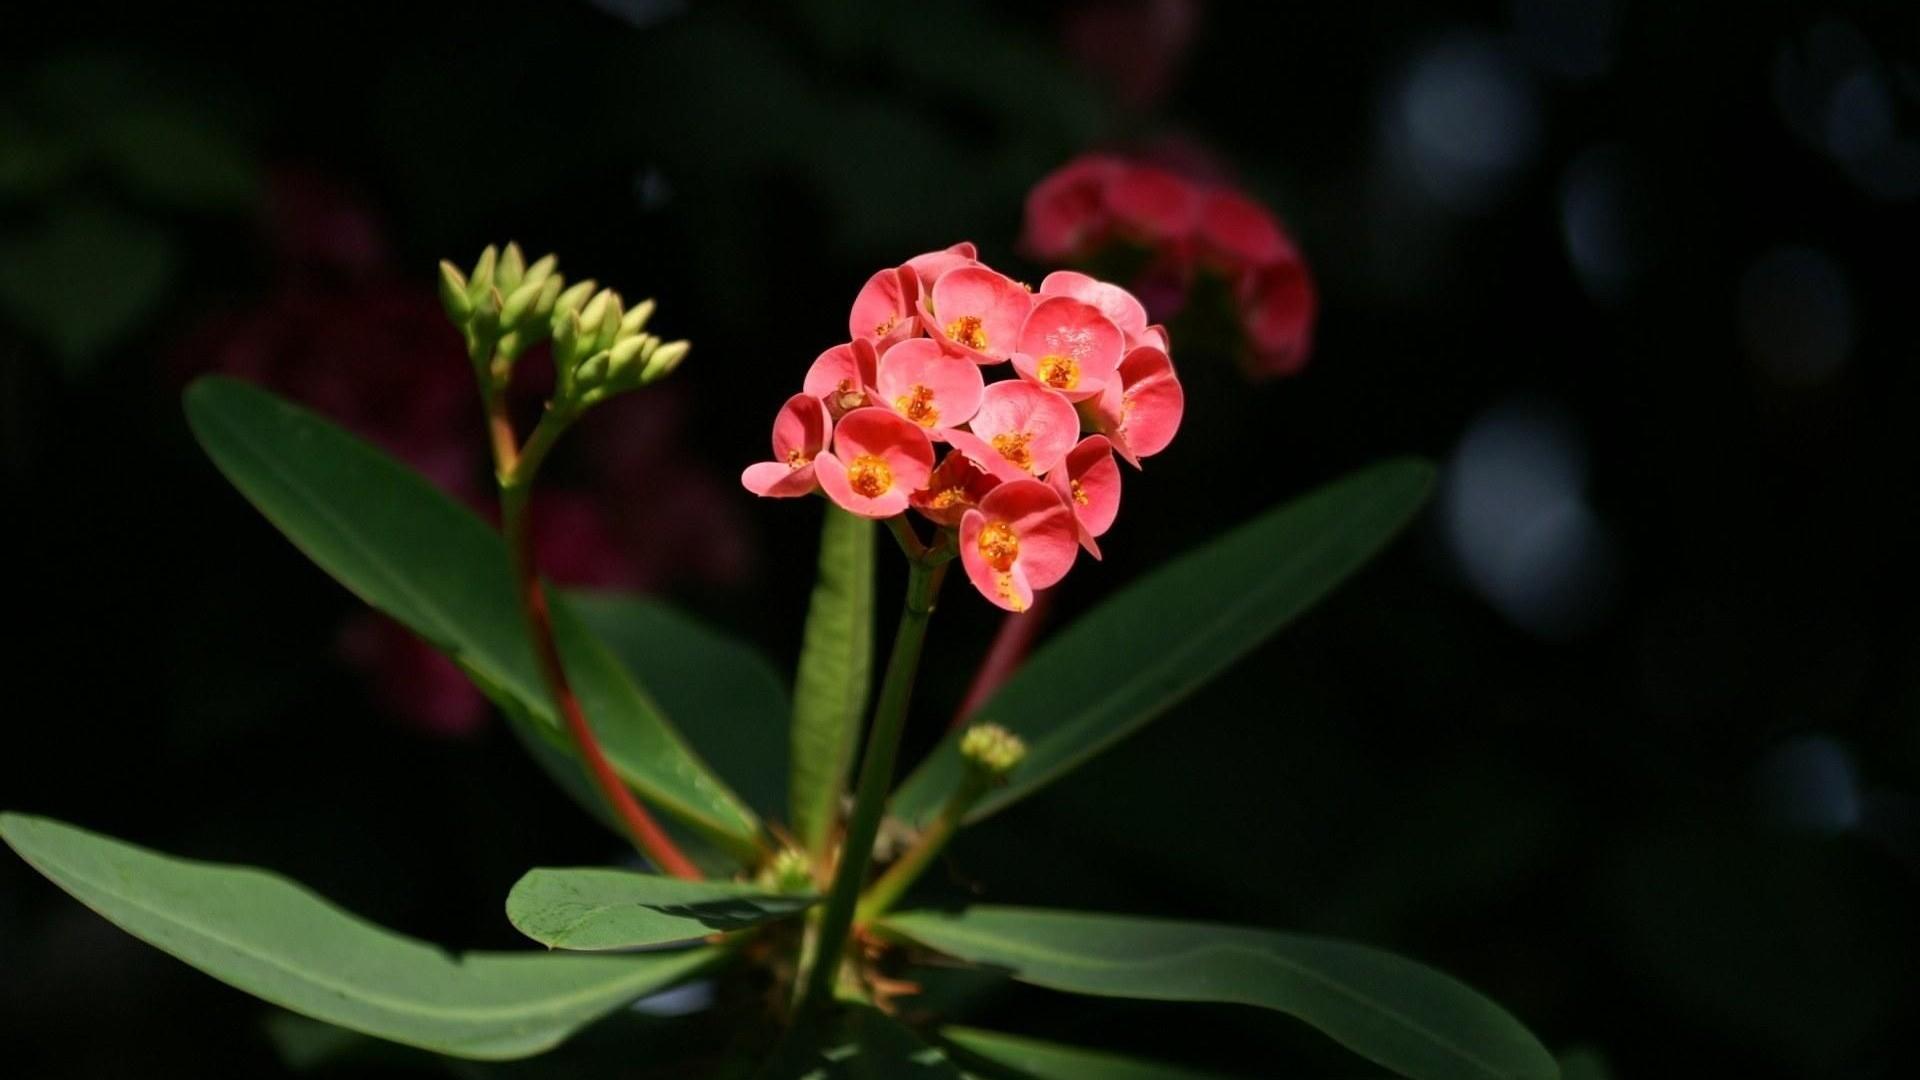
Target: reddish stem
(516, 479)
(1004, 657)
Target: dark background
(1623, 732)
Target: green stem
(933, 840)
(876, 776)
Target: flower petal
(1018, 408)
(1069, 347)
(802, 425)
(777, 480)
(1041, 522)
(832, 474)
(976, 312)
(1011, 588)
(883, 433)
(928, 385)
(1113, 301)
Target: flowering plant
(777, 870)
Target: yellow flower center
(884, 328)
(918, 407)
(849, 396)
(967, 331)
(1013, 446)
(1059, 372)
(999, 546)
(948, 498)
(869, 476)
(1079, 493)
(797, 459)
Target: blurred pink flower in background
(1181, 221)
(343, 333)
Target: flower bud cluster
(1028, 475)
(600, 346)
(992, 749)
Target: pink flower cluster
(1028, 476)
(1097, 200)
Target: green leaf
(731, 703)
(619, 909)
(404, 547)
(1156, 641)
(277, 941)
(1398, 1014)
(836, 669)
(1033, 1059)
(85, 278)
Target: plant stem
(876, 775)
(933, 840)
(516, 468)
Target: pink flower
(1191, 223)
(956, 486)
(1116, 303)
(879, 458)
(883, 313)
(1067, 211)
(929, 385)
(976, 312)
(1141, 410)
(1021, 538)
(800, 434)
(1088, 481)
(844, 377)
(1277, 308)
(1153, 204)
(1021, 431)
(1068, 346)
(1239, 233)
(929, 267)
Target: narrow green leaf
(1156, 641)
(836, 670)
(277, 941)
(1398, 1014)
(730, 702)
(1034, 1059)
(404, 547)
(619, 909)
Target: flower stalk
(517, 470)
(876, 775)
(990, 752)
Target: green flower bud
(592, 372)
(453, 293)
(593, 313)
(992, 749)
(623, 355)
(512, 267)
(481, 279)
(609, 331)
(542, 270)
(664, 359)
(636, 320)
(549, 294)
(571, 298)
(788, 872)
(519, 304)
(486, 314)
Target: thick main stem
(517, 470)
(876, 774)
